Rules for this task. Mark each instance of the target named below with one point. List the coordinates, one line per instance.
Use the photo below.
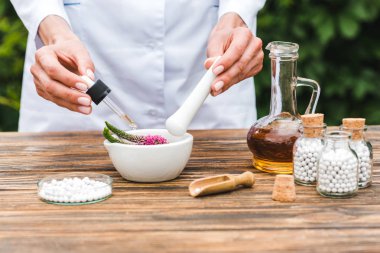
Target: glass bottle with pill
(337, 175)
(362, 147)
(307, 149)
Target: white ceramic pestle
(178, 123)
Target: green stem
(124, 135)
(107, 134)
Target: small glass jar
(363, 150)
(306, 152)
(337, 175)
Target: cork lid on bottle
(354, 125)
(313, 125)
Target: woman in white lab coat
(150, 53)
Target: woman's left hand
(242, 54)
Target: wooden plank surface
(162, 217)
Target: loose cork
(312, 124)
(355, 126)
(284, 189)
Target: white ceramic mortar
(151, 163)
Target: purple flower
(153, 140)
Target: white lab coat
(150, 53)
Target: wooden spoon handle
(246, 179)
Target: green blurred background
(338, 48)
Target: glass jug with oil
(272, 137)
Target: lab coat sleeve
(32, 12)
(247, 9)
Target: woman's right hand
(59, 65)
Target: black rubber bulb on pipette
(98, 91)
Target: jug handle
(314, 96)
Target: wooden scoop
(221, 183)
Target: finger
(67, 62)
(72, 107)
(63, 103)
(77, 56)
(72, 96)
(240, 70)
(253, 55)
(209, 62)
(58, 90)
(40, 91)
(49, 62)
(215, 46)
(255, 70)
(240, 40)
(71, 65)
(85, 63)
(256, 64)
(220, 86)
(37, 72)
(228, 79)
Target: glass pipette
(98, 91)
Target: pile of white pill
(338, 172)
(365, 163)
(74, 190)
(305, 160)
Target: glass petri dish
(75, 188)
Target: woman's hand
(241, 51)
(58, 65)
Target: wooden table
(163, 217)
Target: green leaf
(363, 10)
(326, 31)
(349, 27)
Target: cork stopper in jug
(354, 125)
(313, 125)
